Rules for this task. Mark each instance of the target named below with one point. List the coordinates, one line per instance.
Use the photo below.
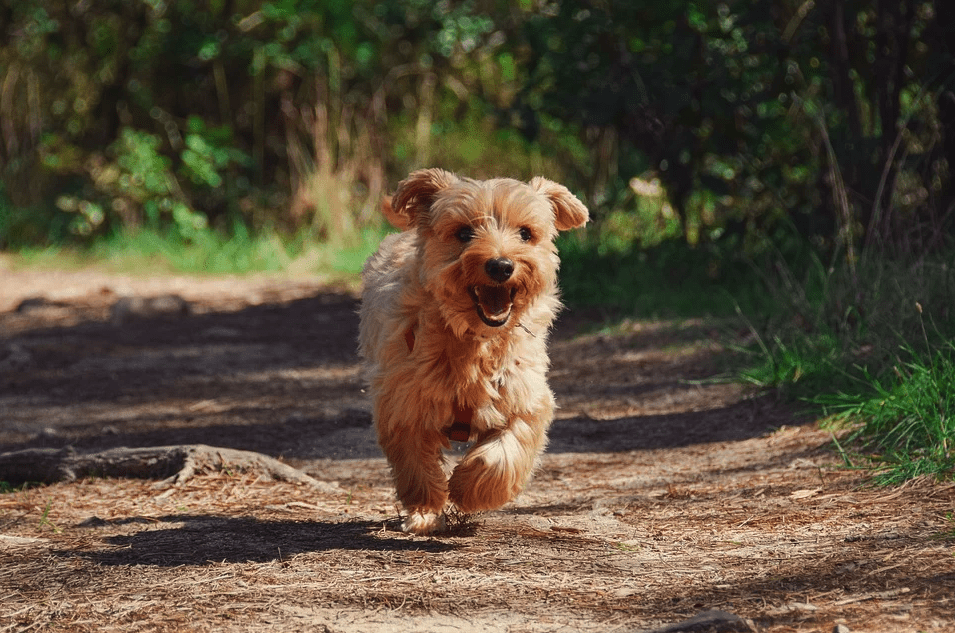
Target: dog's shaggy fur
(454, 323)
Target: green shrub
(670, 279)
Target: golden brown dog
(454, 323)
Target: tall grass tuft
(906, 421)
(871, 349)
(836, 319)
(337, 165)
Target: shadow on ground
(201, 540)
(283, 379)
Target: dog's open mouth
(493, 303)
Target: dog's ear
(397, 221)
(414, 196)
(569, 212)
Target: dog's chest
(491, 370)
(497, 374)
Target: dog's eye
(526, 234)
(465, 234)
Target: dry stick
(886, 170)
(871, 230)
(841, 199)
(881, 595)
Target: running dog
(455, 316)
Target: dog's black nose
(499, 269)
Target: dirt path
(662, 494)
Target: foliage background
(741, 121)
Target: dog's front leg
(498, 466)
(417, 466)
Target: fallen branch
(878, 595)
(173, 464)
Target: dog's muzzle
(493, 301)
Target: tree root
(174, 465)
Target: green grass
(949, 534)
(873, 353)
(45, 518)
(811, 363)
(905, 422)
(238, 252)
(210, 253)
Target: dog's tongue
(495, 300)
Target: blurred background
(742, 125)
(786, 162)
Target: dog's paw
(475, 486)
(422, 523)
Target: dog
(454, 320)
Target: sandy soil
(663, 493)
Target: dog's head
(485, 247)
